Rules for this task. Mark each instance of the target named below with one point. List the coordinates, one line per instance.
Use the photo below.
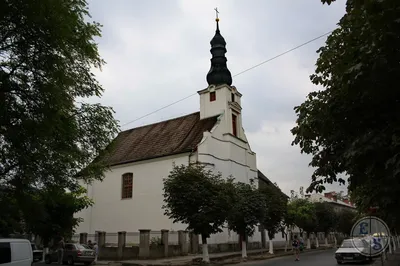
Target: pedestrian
(90, 244)
(60, 250)
(296, 247)
(301, 241)
(96, 252)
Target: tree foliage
(352, 126)
(196, 197)
(345, 221)
(52, 212)
(10, 218)
(326, 217)
(303, 214)
(247, 208)
(48, 134)
(276, 207)
(45, 212)
(48, 131)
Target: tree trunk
(316, 240)
(263, 240)
(308, 241)
(244, 246)
(206, 257)
(394, 243)
(271, 247)
(286, 240)
(326, 241)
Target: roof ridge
(152, 124)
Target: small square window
(212, 96)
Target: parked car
(73, 253)
(15, 252)
(37, 253)
(352, 250)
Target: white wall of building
(111, 214)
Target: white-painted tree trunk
(206, 257)
(271, 247)
(334, 238)
(394, 243)
(45, 251)
(390, 246)
(244, 250)
(317, 241)
(308, 243)
(326, 241)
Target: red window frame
(213, 96)
(234, 125)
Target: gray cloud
(157, 52)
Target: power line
(244, 71)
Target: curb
(220, 260)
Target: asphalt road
(317, 258)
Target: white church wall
(110, 213)
(211, 108)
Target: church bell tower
(220, 97)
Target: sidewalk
(392, 260)
(226, 257)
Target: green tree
(352, 126)
(247, 210)
(303, 213)
(48, 133)
(196, 197)
(345, 221)
(276, 207)
(51, 212)
(326, 218)
(10, 218)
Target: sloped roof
(174, 136)
(268, 182)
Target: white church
(130, 196)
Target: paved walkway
(190, 257)
(185, 260)
(392, 260)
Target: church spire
(219, 73)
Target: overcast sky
(157, 52)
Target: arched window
(127, 185)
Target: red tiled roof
(174, 136)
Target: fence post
(83, 238)
(182, 241)
(101, 236)
(165, 241)
(144, 244)
(121, 244)
(194, 243)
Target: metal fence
(132, 238)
